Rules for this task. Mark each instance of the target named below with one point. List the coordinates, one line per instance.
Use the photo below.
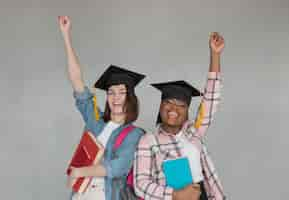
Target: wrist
(215, 54)
(66, 35)
(215, 62)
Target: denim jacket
(118, 163)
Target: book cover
(177, 173)
(88, 152)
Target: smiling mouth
(172, 115)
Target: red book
(88, 152)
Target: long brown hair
(131, 108)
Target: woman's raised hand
(216, 42)
(64, 24)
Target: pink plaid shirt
(153, 149)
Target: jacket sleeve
(86, 105)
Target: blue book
(177, 173)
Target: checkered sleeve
(145, 184)
(209, 103)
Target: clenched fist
(64, 24)
(216, 43)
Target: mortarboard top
(178, 90)
(115, 75)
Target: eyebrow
(176, 100)
(121, 90)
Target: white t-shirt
(103, 139)
(190, 151)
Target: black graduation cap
(178, 90)
(115, 75)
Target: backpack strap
(120, 138)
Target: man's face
(173, 112)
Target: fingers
(63, 20)
(71, 171)
(197, 190)
(213, 36)
(220, 41)
(216, 37)
(196, 186)
(217, 42)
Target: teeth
(173, 114)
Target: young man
(177, 137)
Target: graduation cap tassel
(95, 108)
(200, 116)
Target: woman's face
(173, 112)
(116, 96)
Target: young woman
(176, 137)
(120, 111)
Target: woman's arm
(211, 96)
(217, 44)
(94, 170)
(74, 71)
(84, 98)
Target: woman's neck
(118, 118)
(171, 129)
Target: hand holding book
(88, 152)
(191, 192)
(177, 173)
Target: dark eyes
(111, 93)
(176, 103)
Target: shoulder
(147, 139)
(138, 130)
(189, 126)
(134, 135)
(133, 130)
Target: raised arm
(211, 96)
(74, 70)
(85, 101)
(217, 44)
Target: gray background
(167, 40)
